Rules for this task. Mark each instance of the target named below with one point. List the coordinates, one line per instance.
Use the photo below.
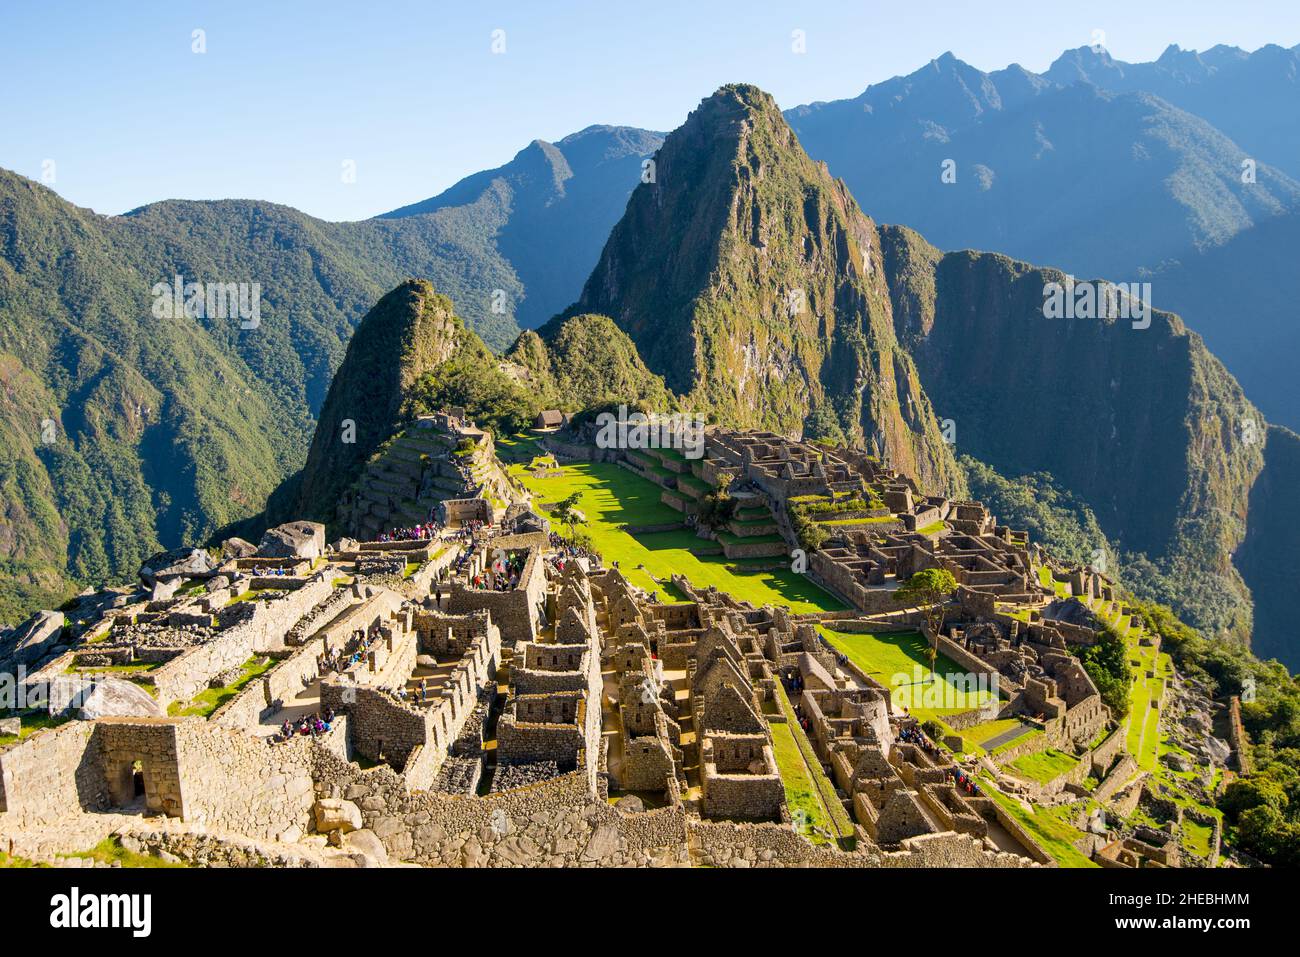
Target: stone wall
(121, 743)
(49, 775)
(554, 823)
(729, 844)
(262, 630)
(233, 781)
(841, 579)
(964, 659)
(253, 702)
(1237, 736)
(515, 612)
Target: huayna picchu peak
(752, 282)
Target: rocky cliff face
(409, 332)
(1143, 423)
(1269, 557)
(751, 280)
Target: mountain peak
(410, 331)
(750, 280)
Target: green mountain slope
(1269, 558)
(169, 430)
(580, 362)
(1144, 425)
(123, 430)
(752, 282)
(409, 332)
(1244, 298)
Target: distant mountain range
(1100, 168)
(552, 207)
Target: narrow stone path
(1005, 737)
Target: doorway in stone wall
(128, 785)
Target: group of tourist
(270, 571)
(309, 725)
(914, 735)
(353, 650)
(497, 582)
(793, 682)
(417, 695)
(564, 551)
(505, 573)
(413, 533)
(796, 699)
(964, 781)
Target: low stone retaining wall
(186, 675)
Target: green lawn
(1196, 837)
(1062, 589)
(808, 774)
(7, 860)
(611, 497)
(1050, 827)
(206, 702)
(1145, 696)
(1043, 767)
(892, 658)
(31, 723)
(110, 849)
(1016, 742)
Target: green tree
(929, 590)
(717, 508)
(811, 536)
(566, 510)
(1106, 663)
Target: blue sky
(413, 94)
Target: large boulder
(336, 814)
(94, 696)
(368, 845)
(34, 638)
(164, 588)
(293, 540)
(118, 698)
(237, 548)
(175, 563)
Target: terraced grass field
(1044, 766)
(898, 660)
(612, 497)
(1050, 827)
(806, 783)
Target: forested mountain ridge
(169, 430)
(1139, 421)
